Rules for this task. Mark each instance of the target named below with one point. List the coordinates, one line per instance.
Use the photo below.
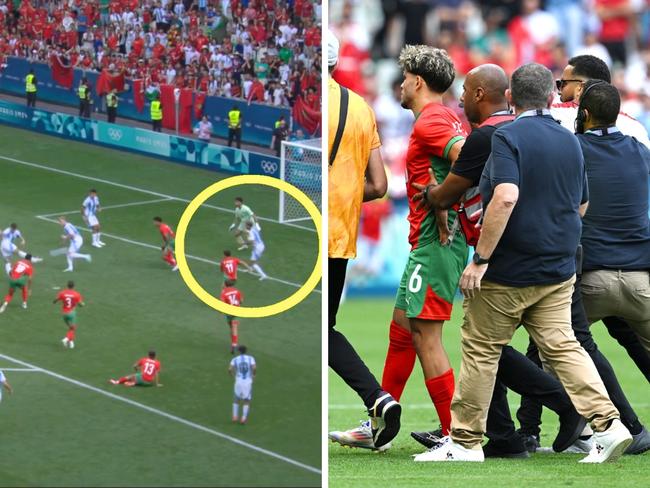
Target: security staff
(111, 105)
(280, 134)
(84, 98)
(30, 88)
(156, 113)
(234, 126)
(280, 122)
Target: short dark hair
(92, 190)
(28, 257)
(432, 64)
(242, 349)
(70, 284)
(603, 102)
(239, 199)
(226, 252)
(152, 353)
(230, 282)
(590, 67)
(531, 86)
(14, 226)
(157, 219)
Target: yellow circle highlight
(207, 298)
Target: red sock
(169, 257)
(10, 295)
(123, 379)
(233, 339)
(25, 290)
(400, 360)
(70, 334)
(441, 391)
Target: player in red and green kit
(20, 276)
(438, 255)
(229, 265)
(168, 237)
(148, 373)
(69, 299)
(232, 296)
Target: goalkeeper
(243, 216)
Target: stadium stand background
(508, 33)
(262, 54)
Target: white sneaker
(581, 446)
(242, 247)
(25, 305)
(3, 307)
(96, 244)
(359, 437)
(36, 259)
(610, 444)
(65, 341)
(68, 270)
(71, 344)
(89, 258)
(263, 277)
(448, 450)
(101, 244)
(175, 268)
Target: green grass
(55, 433)
(365, 323)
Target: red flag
(107, 81)
(185, 107)
(62, 74)
(306, 116)
(199, 100)
(138, 95)
(168, 106)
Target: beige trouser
(625, 294)
(491, 318)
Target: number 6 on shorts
(415, 282)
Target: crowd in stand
(261, 50)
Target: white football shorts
(243, 390)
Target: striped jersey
(255, 236)
(243, 366)
(90, 205)
(2, 377)
(71, 230)
(10, 235)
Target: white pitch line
(169, 416)
(23, 370)
(141, 190)
(189, 256)
(121, 205)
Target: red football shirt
(69, 300)
(435, 131)
(229, 267)
(149, 368)
(166, 232)
(231, 296)
(22, 268)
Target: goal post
(300, 165)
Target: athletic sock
(8, 268)
(9, 296)
(99, 236)
(400, 360)
(76, 255)
(25, 292)
(123, 379)
(259, 270)
(235, 410)
(441, 391)
(233, 339)
(71, 333)
(22, 254)
(240, 240)
(69, 258)
(244, 412)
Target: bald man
(486, 108)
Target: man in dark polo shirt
(616, 227)
(486, 108)
(534, 194)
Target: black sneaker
(384, 419)
(428, 439)
(571, 426)
(531, 442)
(640, 443)
(513, 448)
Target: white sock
(95, 239)
(244, 412)
(22, 254)
(8, 268)
(69, 258)
(76, 255)
(259, 270)
(99, 235)
(235, 409)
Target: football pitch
(365, 323)
(65, 425)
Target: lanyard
(603, 131)
(534, 113)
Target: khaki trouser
(625, 294)
(491, 318)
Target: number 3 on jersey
(415, 282)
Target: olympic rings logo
(269, 167)
(115, 134)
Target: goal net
(300, 165)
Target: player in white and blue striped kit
(8, 248)
(243, 368)
(89, 209)
(71, 234)
(4, 383)
(254, 238)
